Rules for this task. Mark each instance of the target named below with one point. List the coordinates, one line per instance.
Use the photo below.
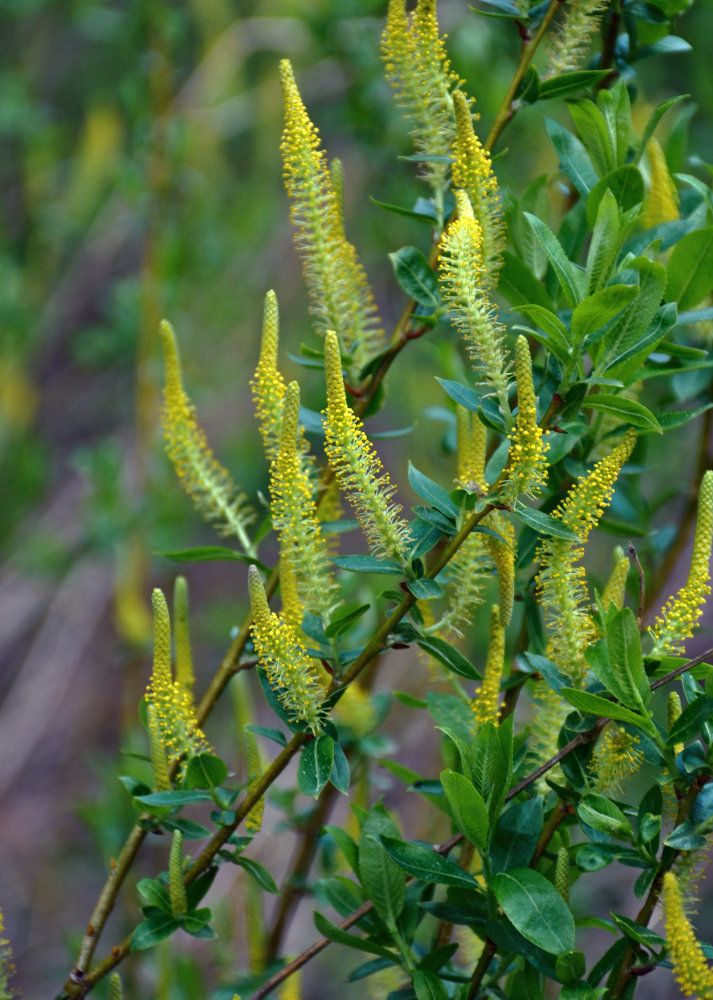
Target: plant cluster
(559, 755)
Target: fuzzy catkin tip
(690, 968)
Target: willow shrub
(582, 738)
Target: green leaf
(570, 277)
(468, 809)
(367, 564)
(430, 491)
(205, 770)
(345, 844)
(627, 410)
(155, 894)
(656, 116)
(637, 932)
(449, 656)
(516, 835)
(338, 936)
(518, 284)
(171, 800)
(678, 418)
(315, 765)
(591, 318)
(428, 986)
(625, 365)
(570, 966)
(423, 863)
(189, 829)
(384, 883)
(543, 523)
(153, 930)
(573, 157)
(270, 734)
(211, 553)
(344, 618)
(535, 908)
(558, 337)
(425, 589)
(594, 704)
(261, 875)
(624, 644)
(340, 776)
(601, 814)
(592, 129)
(690, 269)
(462, 394)
(570, 83)
(195, 922)
(685, 838)
(400, 210)
(415, 276)
(625, 183)
(689, 722)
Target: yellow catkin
(615, 590)
(159, 763)
(472, 439)
(418, 68)
(568, 45)
(527, 465)
(291, 988)
(357, 466)
(562, 873)
(172, 704)
(463, 280)
(561, 583)
(503, 555)
(307, 583)
(674, 713)
(7, 968)
(616, 757)
(255, 765)
(341, 298)
(661, 204)
(679, 616)
(484, 705)
(181, 635)
(467, 573)
(201, 475)
(115, 991)
(690, 968)
(268, 385)
(473, 172)
(285, 660)
(176, 886)
(356, 710)
(255, 932)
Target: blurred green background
(140, 178)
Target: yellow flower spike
(357, 466)
(307, 582)
(616, 757)
(418, 68)
(284, 658)
(172, 705)
(203, 478)
(182, 638)
(615, 590)
(255, 766)
(115, 991)
(503, 555)
(527, 465)
(472, 439)
(268, 385)
(339, 291)
(356, 709)
(679, 616)
(467, 573)
(562, 873)
(159, 764)
(176, 885)
(561, 583)
(7, 969)
(690, 968)
(674, 713)
(463, 280)
(473, 172)
(485, 704)
(569, 44)
(661, 204)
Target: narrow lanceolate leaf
(315, 765)
(535, 908)
(424, 864)
(341, 297)
(468, 809)
(384, 882)
(204, 479)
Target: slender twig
(507, 109)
